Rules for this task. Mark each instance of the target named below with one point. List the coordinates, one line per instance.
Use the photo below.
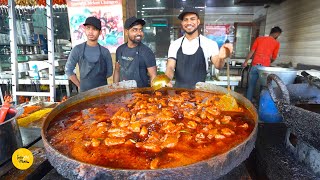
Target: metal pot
(10, 137)
(287, 75)
(212, 168)
(303, 123)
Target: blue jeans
(252, 82)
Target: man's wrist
(219, 57)
(222, 58)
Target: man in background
(265, 50)
(188, 56)
(134, 60)
(95, 63)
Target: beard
(193, 31)
(135, 41)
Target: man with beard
(188, 56)
(95, 63)
(134, 59)
(265, 50)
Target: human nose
(139, 32)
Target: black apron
(92, 74)
(190, 69)
(130, 69)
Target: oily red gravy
(153, 130)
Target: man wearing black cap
(134, 59)
(188, 56)
(94, 61)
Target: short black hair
(276, 29)
(134, 24)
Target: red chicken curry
(149, 130)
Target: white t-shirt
(209, 47)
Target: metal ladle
(228, 102)
(160, 81)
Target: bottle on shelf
(35, 72)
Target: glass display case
(243, 39)
(31, 36)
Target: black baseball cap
(94, 22)
(188, 10)
(132, 20)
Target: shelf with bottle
(22, 49)
(1, 44)
(19, 54)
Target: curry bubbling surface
(149, 130)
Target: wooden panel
(300, 40)
(131, 8)
(128, 10)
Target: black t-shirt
(138, 60)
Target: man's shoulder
(105, 51)
(145, 48)
(267, 39)
(77, 50)
(174, 45)
(78, 46)
(146, 52)
(81, 45)
(177, 41)
(121, 47)
(206, 40)
(263, 38)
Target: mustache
(190, 33)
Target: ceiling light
(156, 8)
(158, 1)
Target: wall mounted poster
(110, 14)
(218, 33)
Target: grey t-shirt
(91, 54)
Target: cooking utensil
(213, 167)
(10, 137)
(303, 123)
(287, 75)
(160, 81)
(228, 102)
(312, 80)
(3, 111)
